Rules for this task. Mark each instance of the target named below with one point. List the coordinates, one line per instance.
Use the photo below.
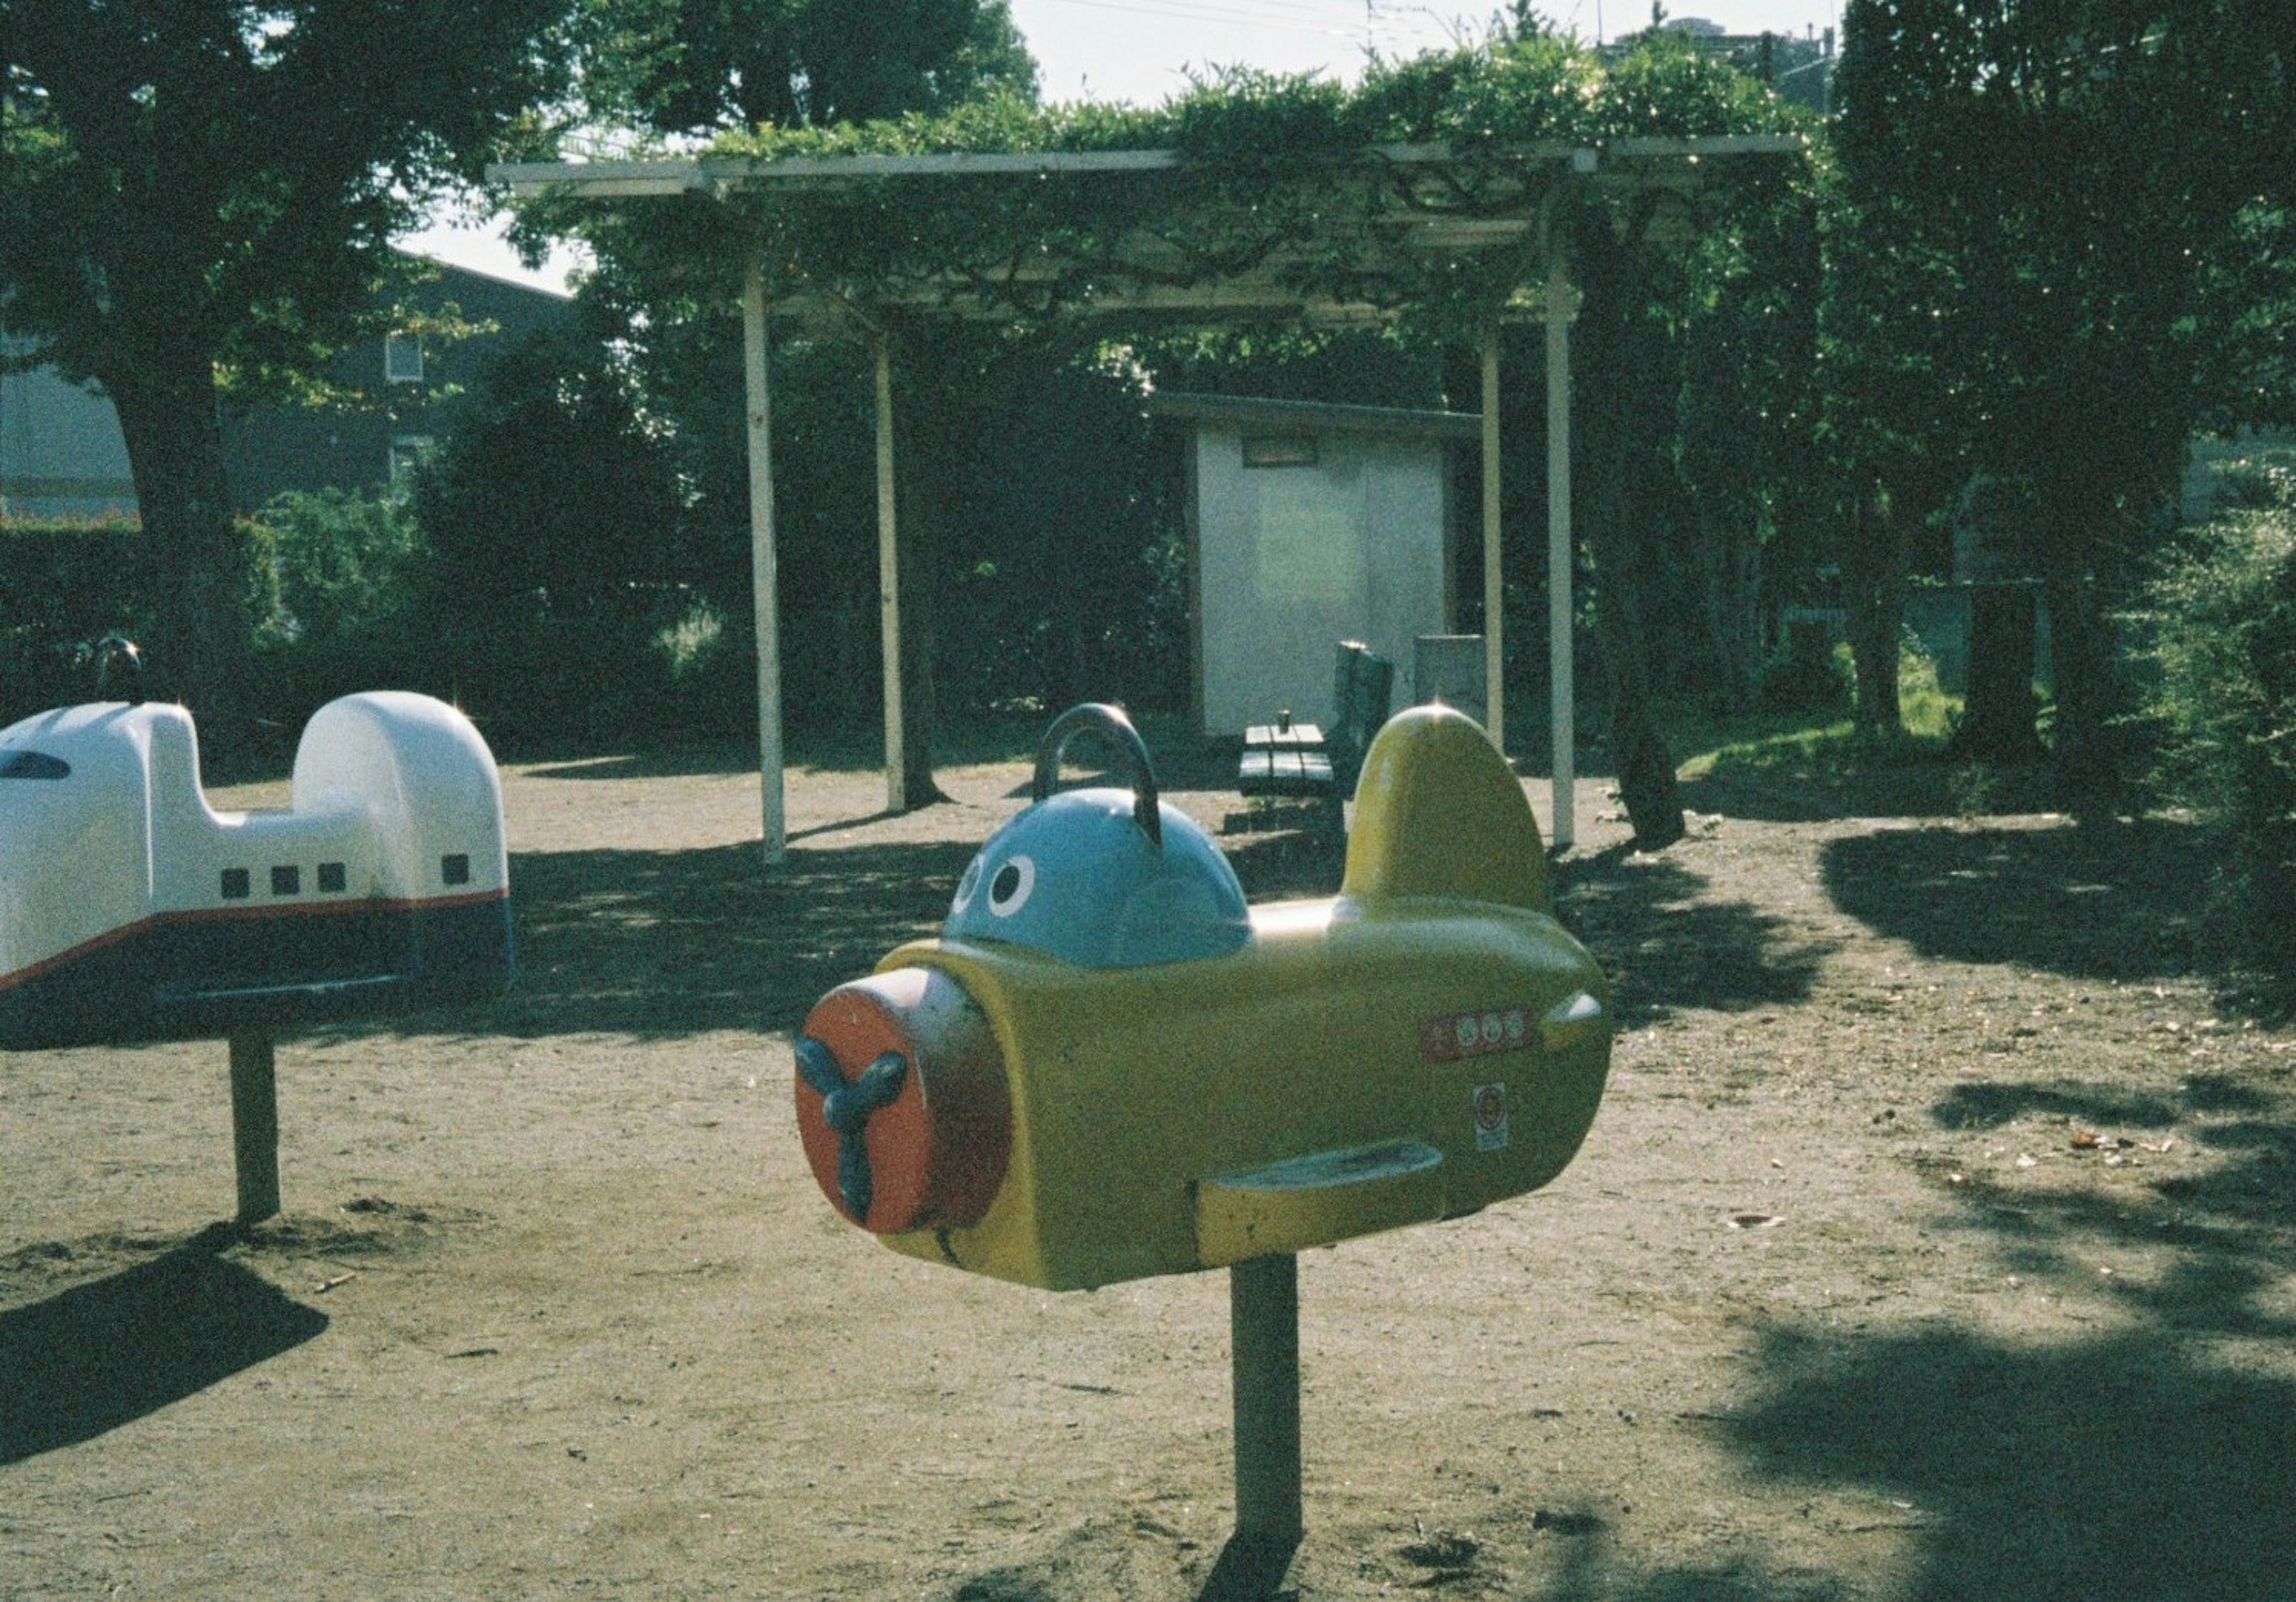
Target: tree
(1893, 442)
(197, 199)
(1626, 376)
(683, 67)
(2077, 162)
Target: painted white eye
(1008, 891)
(967, 885)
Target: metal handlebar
(1111, 724)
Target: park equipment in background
(130, 909)
(1291, 759)
(1109, 1067)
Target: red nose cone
(930, 1153)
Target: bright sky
(1140, 50)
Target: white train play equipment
(132, 909)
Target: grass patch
(1815, 763)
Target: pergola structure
(1358, 243)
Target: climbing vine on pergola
(1448, 192)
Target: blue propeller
(847, 1108)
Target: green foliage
(66, 582)
(2246, 321)
(186, 188)
(1067, 581)
(1927, 709)
(558, 551)
(226, 177)
(62, 583)
(695, 66)
(1265, 165)
(2052, 185)
(553, 488)
(2222, 621)
(350, 566)
(337, 602)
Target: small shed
(1308, 524)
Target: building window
(402, 358)
(406, 452)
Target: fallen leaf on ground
(1754, 1221)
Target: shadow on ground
(2117, 901)
(1796, 781)
(2150, 1459)
(105, 1353)
(659, 944)
(2119, 1466)
(1665, 949)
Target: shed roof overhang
(1312, 417)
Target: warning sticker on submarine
(1457, 1035)
(1490, 1118)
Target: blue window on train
(33, 765)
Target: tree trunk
(2080, 667)
(1997, 721)
(1607, 371)
(1731, 564)
(922, 456)
(2075, 527)
(1644, 764)
(1873, 597)
(198, 560)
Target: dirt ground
(1936, 1239)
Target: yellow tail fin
(1440, 813)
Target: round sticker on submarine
(1108, 1066)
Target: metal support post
(1263, 1323)
(255, 1124)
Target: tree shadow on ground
(105, 1353)
(656, 945)
(2117, 901)
(659, 944)
(1668, 945)
(2118, 1465)
(2149, 1459)
(2231, 1218)
(1805, 780)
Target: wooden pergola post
(1494, 576)
(889, 582)
(764, 563)
(1559, 596)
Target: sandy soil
(1936, 1240)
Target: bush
(347, 568)
(341, 580)
(63, 582)
(2222, 621)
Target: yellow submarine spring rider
(1108, 1066)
